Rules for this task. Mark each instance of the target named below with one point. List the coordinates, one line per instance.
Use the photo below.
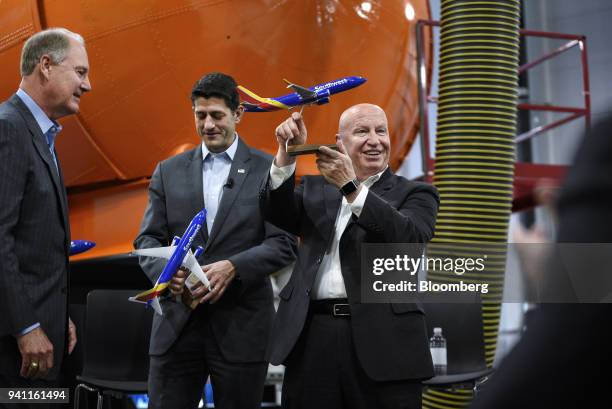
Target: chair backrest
(117, 334)
(461, 325)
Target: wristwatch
(350, 186)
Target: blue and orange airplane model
(318, 94)
(178, 255)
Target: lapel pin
(240, 170)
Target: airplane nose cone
(358, 80)
(80, 246)
(201, 215)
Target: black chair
(116, 345)
(461, 325)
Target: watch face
(348, 188)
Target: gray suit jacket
(34, 237)
(242, 319)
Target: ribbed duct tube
(475, 147)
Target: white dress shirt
(329, 282)
(215, 172)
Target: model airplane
(80, 246)
(178, 255)
(319, 94)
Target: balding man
(339, 352)
(35, 331)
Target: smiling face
(364, 132)
(215, 122)
(66, 81)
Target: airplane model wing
(303, 92)
(251, 100)
(197, 274)
(160, 252)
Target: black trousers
(177, 378)
(324, 372)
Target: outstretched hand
(291, 131)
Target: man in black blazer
(225, 336)
(563, 360)
(338, 351)
(35, 330)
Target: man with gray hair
(35, 330)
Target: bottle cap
(437, 331)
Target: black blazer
(242, 318)
(564, 356)
(34, 237)
(390, 339)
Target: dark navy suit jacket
(34, 237)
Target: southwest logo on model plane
(178, 255)
(319, 94)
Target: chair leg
(478, 383)
(100, 400)
(77, 394)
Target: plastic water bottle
(437, 346)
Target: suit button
(319, 260)
(308, 291)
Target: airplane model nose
(80, 246)
(201, 216)
(356, 81)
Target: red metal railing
(526, 174)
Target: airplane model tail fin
(250, 97)
(253, 102)
(151, 297)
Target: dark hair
(217, 84)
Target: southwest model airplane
(80, 246)
(178, 255)
(319, 94)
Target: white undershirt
(329, 282)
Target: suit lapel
(385, 183)
(194, 173)
(43, 150)
(65, 200)
(381, 188)
(333, 200)
(238, 173)
(333, 197)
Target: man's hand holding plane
(220, 275)
(335, 166)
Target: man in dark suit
(338, 351)
(225, 336)
(35, 331)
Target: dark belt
(337, 307)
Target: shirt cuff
(357, 205)
(278, 176)
(28, 329)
